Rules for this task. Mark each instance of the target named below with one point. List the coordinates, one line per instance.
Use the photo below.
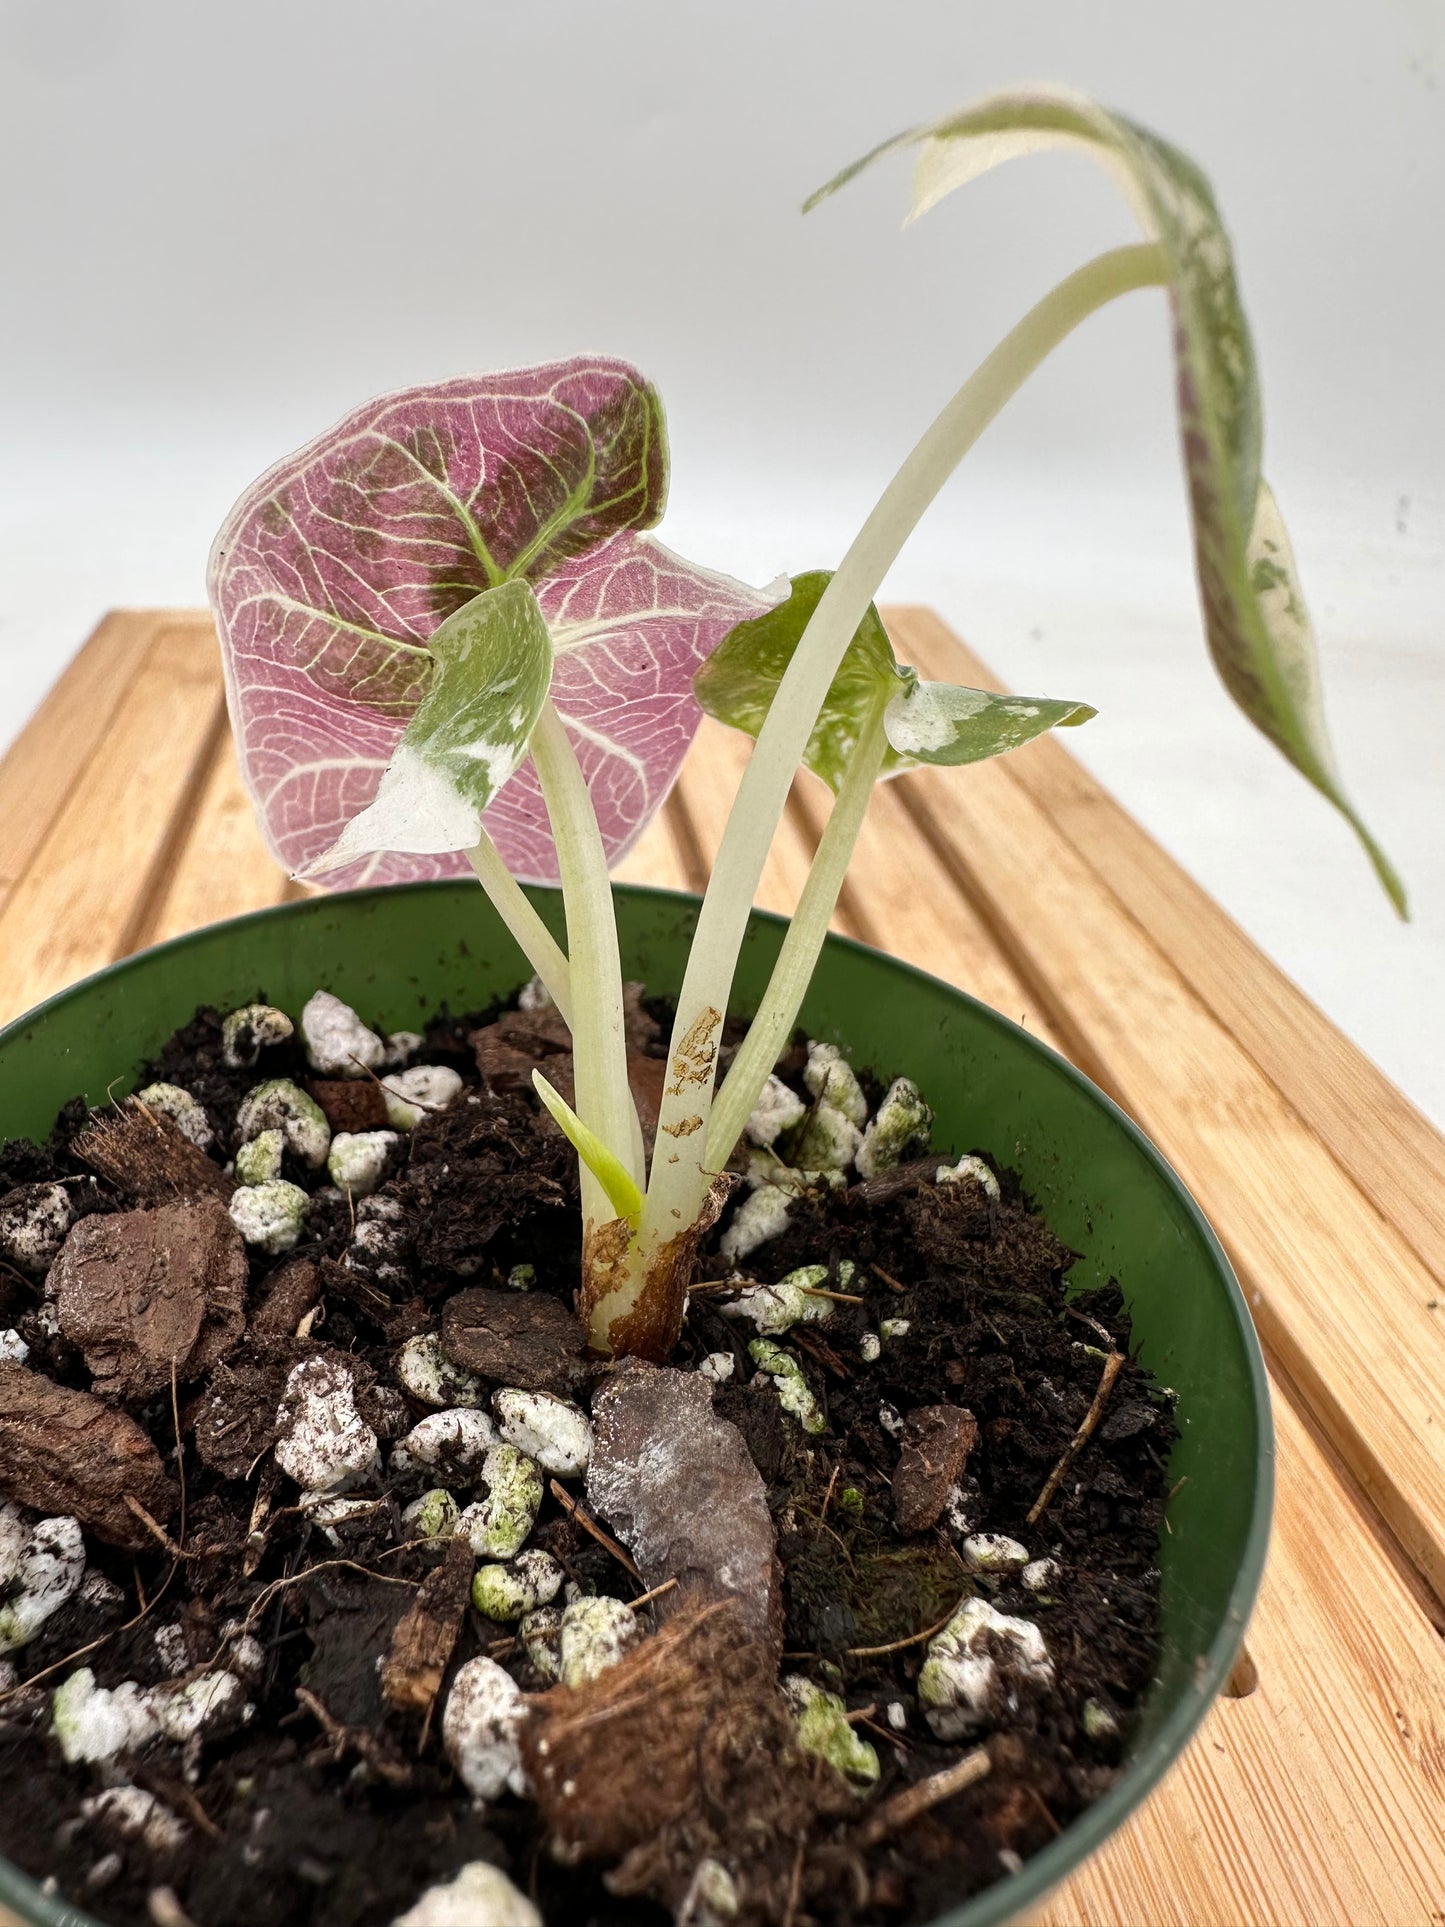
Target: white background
(220, 227)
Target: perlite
(324, 1445)
(823, 1729)
(794, 1300)
(900, 1125)
(453, 1444)
(270, 1216)
(33, 1224)
(250, 1030)
(479, 1730)
(429, 1375)
(777, 1110)
(595, 1634)
(499, 1525)
(412, 1095)
(184, 1111)
(830, 1077)
(968, 1169)
(41, 1568)
(759, 1217)
(338, 1044)
(787, 1374)
(505, 1593)
(557, 1434)
(280, 1105)
(978, 1651)
(435, 1515)
(479, 1896)
(356, 1162)
(259, 1161)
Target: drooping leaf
(335, 569)
(465, 738)
(925, 722)
(1258, 631)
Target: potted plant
(449, 646)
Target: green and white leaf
(467, 736)
(924, 722)
(942, 722)
(1258, 631)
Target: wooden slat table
(1317, 1799)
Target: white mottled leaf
(1258, 632)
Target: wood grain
(1341, 1298)
(221, 866)
(117, 826)
(1391, 1151)
(1314, 1802)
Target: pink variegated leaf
(335, 568)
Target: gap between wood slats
(1340, 1296)
(1388, 1148)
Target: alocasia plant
(448, 643)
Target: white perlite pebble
(711, 1899)
(960, 1673)
(435, 1515)
(595, 1635)
(718, 1366)
(479, 1730)
(200, 1708)
(557, 1434)
(541, 1634)
(338, 1044)
(759, 1217)
(428, 1374)
(172, 1651)
(829, 1076)
(259, 1160)
(130, 1813)
(33, 1227)
(499, 1525)
(96, 1723)
(454, 1444)
(968, 1168)
(792, 1387)
(356, 1161)
(792, 1301)
(897, 1716)
(402, 1046)
(325, 1445)
(777, 1110)
(829, 1142)
(13, 1348)
(327, 1514)
(184, 1111)
(41, 1567)
(479, 1896)
(1039, 1574)
(270, 1216)
(901, 1124)
(995, 1552)
(891, 1328)
(412, 1095)
(870, 1348)
(505, 1593)
(250, 1030)
(280, 1105)
(534, 995)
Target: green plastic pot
(398, 954)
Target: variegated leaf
(924, 722)
(1258, 631)
(465, 738)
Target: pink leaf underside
(333, 570)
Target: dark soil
(342, 1817)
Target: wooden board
(1317, 1800)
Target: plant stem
(531, 935)
(675, 1189)
(798, 958)
(599, 1043)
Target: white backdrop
(220, 227)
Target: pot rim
(1006, 1899)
